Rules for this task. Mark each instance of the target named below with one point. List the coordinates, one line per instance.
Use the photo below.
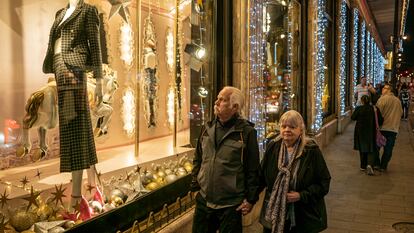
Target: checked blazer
(80, 40)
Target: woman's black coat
(313, 181)
(364, 133)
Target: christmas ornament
(24, 181)
(22, 220)
(38, 174)
(4, 199)
(32, 199)
(59, 194)
(3, 225)
(43, 212)
(120, 7)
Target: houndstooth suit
(80, 52)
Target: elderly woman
(297, 179)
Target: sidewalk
(360, 203)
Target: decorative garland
(320, 47)
(342, 56)
(256, 81)
(355, 23)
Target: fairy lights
(342, 62)
(362, 50)
(256, 82)
(355, 22)
(320, 47)
(126, 44)
(128, 111)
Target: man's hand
(292, 197)
(245, 207)
(98, 92)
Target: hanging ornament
(24, 181)
(150, 75)
(202, 92)
(120, 7)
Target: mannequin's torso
(68, 13)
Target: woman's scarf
(276, 208)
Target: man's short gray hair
(236, 97)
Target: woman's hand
(292, 197)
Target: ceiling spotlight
(404, 37)
(282, 36)
(197, 51)
(399, 54)
(200, 53)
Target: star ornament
(59, 194)
(24, 181)
(3, 225)
(120, 7)
(4, 199)
(32, 199)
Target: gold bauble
(161, 174)
(188, 167)
(181, 172)
(44, 212)
(170, 178)
(23, 220)
(152, 186)
(117, 201)
(160, 181)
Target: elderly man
(391, 110)
(226, 165)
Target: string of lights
(320, 47)
(342, 62)
(362, 50)
(355, 23)
(368, 57)
(256, 81)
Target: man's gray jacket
(227, 173)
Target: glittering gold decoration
(38, 174)
(32, 199)
(59, 194)
(24, 181)
(128, 176)
(4, 199)
(3, 225)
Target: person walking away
(391, 109)
(296, 178)
(226, 167)
(405, 100)
(364, 134)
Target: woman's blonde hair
(296, 120)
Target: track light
(197, 51)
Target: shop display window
(282, 67)
(156, 58)
(328, 100)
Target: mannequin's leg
(76, 187)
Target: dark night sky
(409, 31)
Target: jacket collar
(75, 13)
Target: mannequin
(150, 83)
(74, 48)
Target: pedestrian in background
(391, 109)
(364, 134)
(405, 100)
(296, 178)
